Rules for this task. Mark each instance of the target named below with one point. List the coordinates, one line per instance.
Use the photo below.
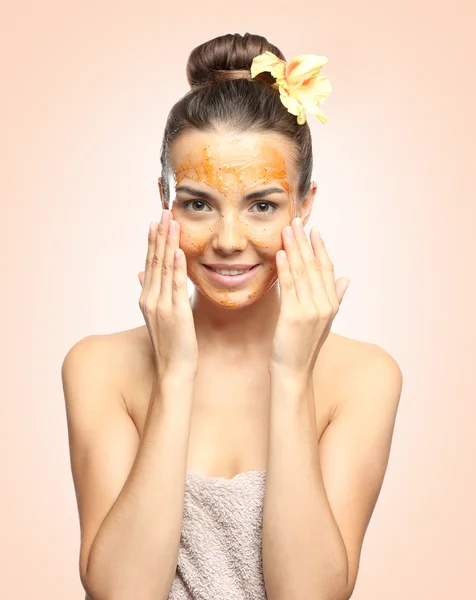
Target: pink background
(86, 88)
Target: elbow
(345, 592)
(347, 581)
(91, 589)
(342, 591)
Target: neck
(245, 332)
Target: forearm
(304, 556)
(135, 552)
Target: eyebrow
(250, 196)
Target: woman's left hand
(310, 299)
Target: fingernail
(288, 232)
(316, 232)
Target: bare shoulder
(116, 355)
(351, 352)
(355, 368)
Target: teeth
(230, 271)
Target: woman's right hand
(165, 304)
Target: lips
(237, 267)
(231, 280)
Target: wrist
(291, 378)
(179, 379)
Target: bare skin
(234, 326)
(227, 228)
(229, 423)
(210, 413)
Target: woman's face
(219, 224)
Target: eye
(188, 202)
(272, 205)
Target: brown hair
(223, 94)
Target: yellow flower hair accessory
(301, 88)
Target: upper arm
(355, 447)
(103, 440)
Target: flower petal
(293, 105)
(268, 62)
(312, 94)
(303, 69)
(300, 85)
(290, 102)
(322, 118)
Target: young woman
(233, 446)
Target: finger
(317, 284)
(150, 252)
(141, 278)
(165, 295)
(179, 283)
(158, 256)
(148, 263)
(327, 267)
(297, 268)
(342, 285)
(287, 288)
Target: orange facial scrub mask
(227, 227)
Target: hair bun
(227, 57)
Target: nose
(229, 235)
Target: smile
(231, 280)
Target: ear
(161, 190)
(306, 206)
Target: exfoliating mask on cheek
(232, 175)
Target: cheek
(192, 244)
(269, 241)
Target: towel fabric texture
(220, 546)
(220, 554)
